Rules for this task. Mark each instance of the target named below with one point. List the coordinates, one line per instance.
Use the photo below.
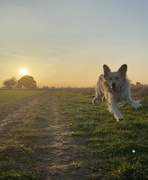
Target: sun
(23, 71)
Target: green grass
(11, 96)
(111, 143)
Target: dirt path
(59, 156)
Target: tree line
(25, 82)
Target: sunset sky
(66, 42)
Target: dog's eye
(110, 79)
(117, 78)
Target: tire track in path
(68, 158)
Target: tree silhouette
(27, 82)
(10, 83)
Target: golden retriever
(115, 87)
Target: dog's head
(114, 80)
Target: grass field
(11, 96)
(119, 148)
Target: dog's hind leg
(99, 91)
(98, 95)
(95, 99)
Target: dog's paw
(137, 105)
(120, 118)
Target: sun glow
(23, 71)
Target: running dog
(115, 87)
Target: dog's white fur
(115, 87)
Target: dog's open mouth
(113, 89)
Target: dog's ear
(106, 70)
(123, 69)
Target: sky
(66, 42)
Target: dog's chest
(118, 96)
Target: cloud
(14, 55)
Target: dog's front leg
(113, 109)
(134, 104)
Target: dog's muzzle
(114, 88)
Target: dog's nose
(113, 85)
